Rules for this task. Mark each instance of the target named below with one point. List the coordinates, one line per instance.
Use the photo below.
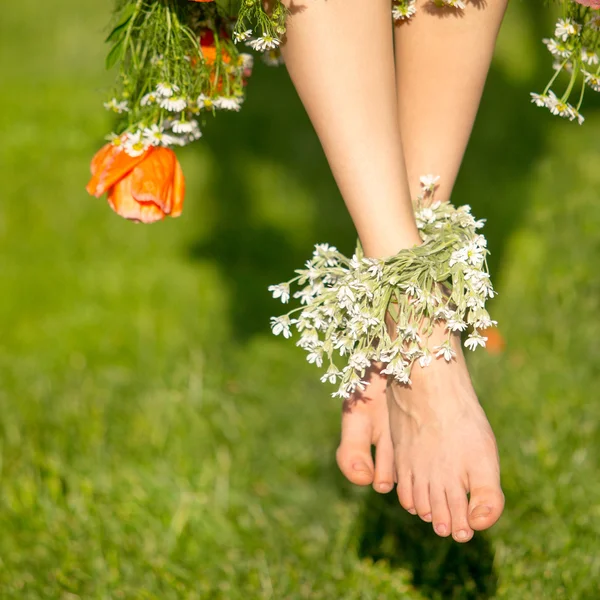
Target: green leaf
(123, 21)
(115, 54)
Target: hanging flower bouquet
(178, 61)
(575, 48)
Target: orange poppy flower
(144, 188)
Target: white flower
(409, 333)
(594, 22)
(403, 10)
(592, 80)
(591, 58)
(228, 103)
(444, 350)
(116, 140)
(456, 325)
(282, 290)
(426, 216)
(173, 103)
(242, 36)
(265, 42)
(484, 322)
(425, 359)
(358, 361)
(453, 3)
(475, 339)
(566, 28)
(135, 145)
(183, 126)
(272, 58)
(557, 49)
(166, 90)
(428, 182)
(149, 98)
(331, 375)
(315, 357)
(281, 325)
(155, 136)
(116, 106)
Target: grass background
(157, 443)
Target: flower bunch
(178, 62)
(575, 48)
(365, 309)
(403, 10)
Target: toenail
(361, 467)
(427, 517)
(441, 529)
(480, 511)
(462, 534)
(412, 511)
(384, 487)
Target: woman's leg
(444, 446)
(339, 54)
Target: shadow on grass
(441, 568)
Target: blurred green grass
(155, 442)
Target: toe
(422, 501)
(440, 513)
(404, 489)
(384, 464)
(485, 506)
(354, 452)
(457, 503)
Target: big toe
(354, 452)
(485, 506)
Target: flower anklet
(357, 311)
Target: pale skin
(384, 121)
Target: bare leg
(339, 54)
(444, 446)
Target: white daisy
(590, 58)
(173, 103)
(425, 359)
(182, 126)
(475, 339)
(556, 48)
(444, 350)
(265, 42)
(282, 290)
(331, 375)
(117, 106)
(204, 101)
(594, 22)
(428, 182)
(272, 58)
(166, 90)
(155, 136)
(228, 103)
(149, 98)
(242, 36)
(592, 80)
(281, 325)
(135, 145)
(403, 10)
(566, 28)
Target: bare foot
(444, 448)
(365, 422)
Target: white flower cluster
(402, 10)
(366, 309)
(179, 130)
(574, 48)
